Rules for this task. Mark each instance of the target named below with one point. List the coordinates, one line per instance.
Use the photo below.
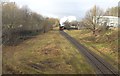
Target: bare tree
(90, 15)
(18, 22)
(113, 11)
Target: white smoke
(69, 19)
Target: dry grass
(106, 49)
(48, 53)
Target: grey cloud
(63, 8)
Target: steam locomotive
(68, 27)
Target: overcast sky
(61, 8)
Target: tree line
(88, 23)
(22, 22)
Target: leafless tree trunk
(91, 15)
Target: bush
(19, 22)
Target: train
(68, 27)
(61, 28)
(68, 23)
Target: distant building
(111, 21)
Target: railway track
(101, 66)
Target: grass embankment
(105, 44)
(48, 53)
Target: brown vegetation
(19, 22)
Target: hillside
(105, 44)
(48, 53)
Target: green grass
(106, 49)
(48, 53)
